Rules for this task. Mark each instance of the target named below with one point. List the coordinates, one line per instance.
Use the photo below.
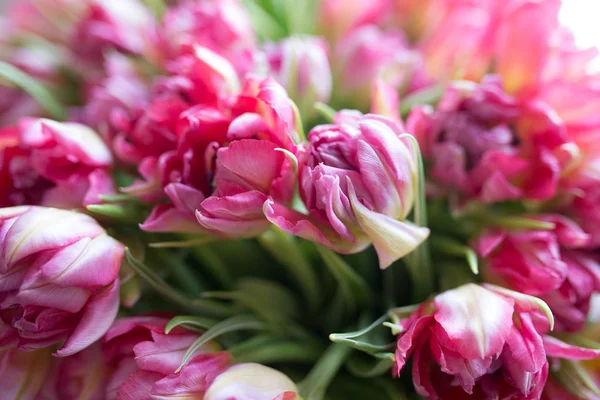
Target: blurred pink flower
(54, 164)
(358, 182)
(222, 26)
(480, 342)
(338, 17)
(483, 143)
(23, 373)
(367, 54)
(301, 65)
(58, 279)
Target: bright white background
(583, 18)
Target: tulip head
(58, 279)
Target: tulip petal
(138, 386)
(476, 321)
(391, 238)
(557, 348)
(97, 317)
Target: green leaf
(326, 111)
(214, 266)
(233, 324)
(120, 198)
(576, 379)
(35, 89)
(284, 248)
(125, 213)
(350, 338)
(355, 290)
(190, 322)
(268, 349)
(314, 386)
(168, 293)
(362, 366)
(267, 27)
(183, 243)
(429, 95)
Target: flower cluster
(195, 191)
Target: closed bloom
(301, 65)
(358, 181)
(482, 143)
(480, 342)
(58, 279)
(366, 55)
(252, 382)
(53, 164)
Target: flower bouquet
(308, 199)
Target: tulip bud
(251, 382)
(366, 55)
(460, 348)
(58, 279)
(358, 182)
(301, 65)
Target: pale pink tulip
(338, 17)
(252, 382)
(357, 180)
(58, 279)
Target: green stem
(214, 265)
(285, 250)
(314, 386)
(181, 272)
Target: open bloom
(252, 382)
(58, 279)
(358, 181)
(482, 143)
(480, 342)
(227, 163)
(58, 164)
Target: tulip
(221, 26)
(58, 279)
(530, 261)
(301, 65)
(480, 342)
(251, 382)
(570, 303)
(358, 183)
(586, 211)
(224, 168)
(482, 143)
(54, 164)
(143, 361)
(120, 25)
(366, 55)
(23, 373)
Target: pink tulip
(366, 55)
(226, 163)
(143, 360)
(480, 342)
(251, 382)
(586, 211)
(58, 279)
(23, 373)
(54, 164)
(221, 26)
(338, 17)
(485, 144)
(530, 261)
(357, 181)
(301, 65)
(120, 25)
